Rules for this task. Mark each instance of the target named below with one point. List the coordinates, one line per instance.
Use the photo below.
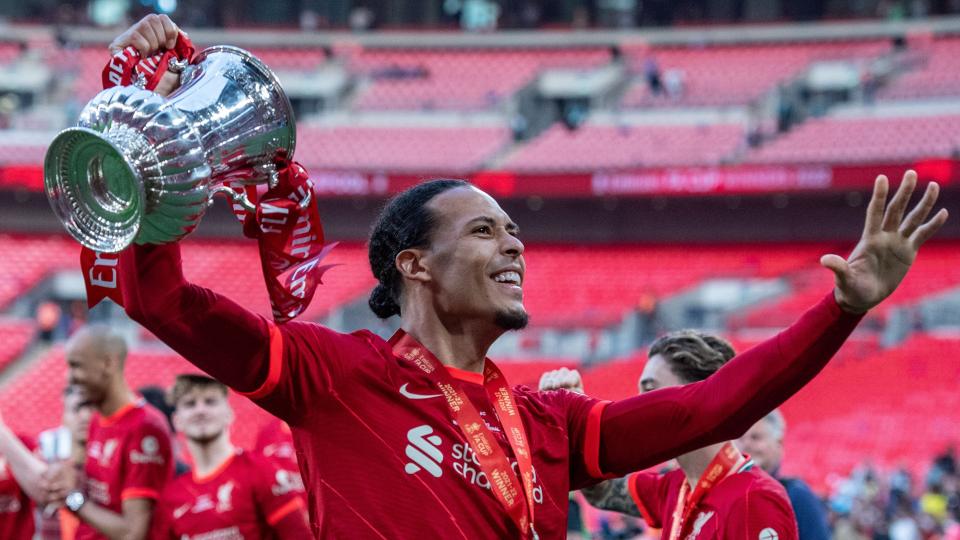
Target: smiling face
(90, 366)
(474, 267)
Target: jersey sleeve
(647, 429)
(649, 492)
(277, 494)
(240, 348)
(580, 415)
(761, 515)
(306, 361)
(147, 462)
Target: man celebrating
(717, 492)
(420, 436)
(128, 447)
(230, 493)
(764, 442)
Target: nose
(512, 246)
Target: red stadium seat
(462, 80)
(591, 147)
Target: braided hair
(404, 223)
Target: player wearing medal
(230, 493)
(717, 492)
(420, 436)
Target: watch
(75, 501)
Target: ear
(411, 265)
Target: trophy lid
(93, 190)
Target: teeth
(507, 277)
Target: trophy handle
(242, 199)
(238, 198)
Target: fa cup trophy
(142, 168)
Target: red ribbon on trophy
(289, 233)
(286, 222)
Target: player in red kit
(231, 494)
(16, 506)
(275, 442)
(421, 436)
(717, 493)
(128, 447)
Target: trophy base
(93, 189)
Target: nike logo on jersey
(408, 394)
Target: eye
(482, 229)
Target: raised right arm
(211, 331)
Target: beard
(204, 438)
(514, 319)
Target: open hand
(563, 378)
(888, 246)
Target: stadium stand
(15, 335)
(936, 272)
(607, 147)
(233, 268)
(885, 404)
(863, 140)
(731, 75)
(34, 257)
(934, 73)
(455, 149)
(596, 285)
(461, 80)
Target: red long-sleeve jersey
(379, 453)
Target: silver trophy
(141, 168)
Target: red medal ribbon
(515, 494)
(286, 223)
(289, 234)
(728, 461)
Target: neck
(460, 344)
(207, 456)
(695, 463)
(118, 396)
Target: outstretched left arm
(639, 432)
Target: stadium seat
(461, 80)
(592, 147)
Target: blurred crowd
(467, 14)
(869, 505)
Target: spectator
(764, 442)
(651, 73)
